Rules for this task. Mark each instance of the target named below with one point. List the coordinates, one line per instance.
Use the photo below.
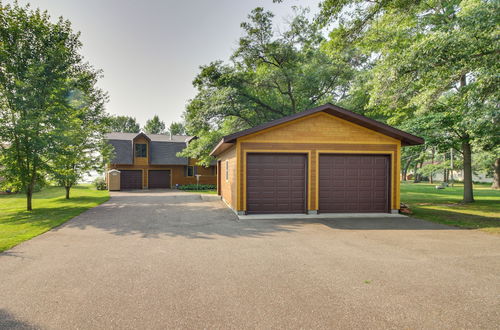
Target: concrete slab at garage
(322, 160)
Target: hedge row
(198, 187)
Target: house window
(141, 150)
(227, 170)
(189, 170)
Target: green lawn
(443, 206)
(201, 191)
(50, 209)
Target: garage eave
(221, 147)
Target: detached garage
(323, 160)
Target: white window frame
(227, 170)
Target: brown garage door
(130, 179)
(276, 183)
(353, 183)
(158, 179)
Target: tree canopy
(270, 75)
(124, 124)
(154, 126)
(427, 67)
(177, 128)
(433, 66)
(41, 71)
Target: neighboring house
(150, 161)
(458, 175)
(326, 159)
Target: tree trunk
(29, 197)
(67, 191)
(432, 164)
(416, 178)
(468, 189)
(420, 176)
(405, 169)
(496, 175)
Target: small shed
(327, 159)
(113, 179)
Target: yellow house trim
(238, 175)
(321, 142)
(397, 179)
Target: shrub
(12, 188)
(100, 184)
(197, 187)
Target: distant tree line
(154, 125)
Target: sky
(150, 50)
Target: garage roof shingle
(407, 139)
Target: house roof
(162, 151)
(151, 137)
(406, 139)
(123, 152)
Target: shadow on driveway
(153, 215)
(8, 321)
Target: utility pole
(451, 165)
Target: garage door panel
(254, 172)
(278, 185)
(283, 195)
(158, 179)
(297, 184)
(130, 179)
(353, 183)
(297, 196)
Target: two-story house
(147, 161)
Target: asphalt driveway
(158, 259)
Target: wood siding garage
(353, 183)
(351, 164)
(130, 179)
(158, 179)
(276, 183)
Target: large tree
(82, 148)
(39, 62)
(177, 128)
(154, 126)
(123, 124)
(270, 75)
(434, 60)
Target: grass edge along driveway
(444, 205)
(50, 209)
